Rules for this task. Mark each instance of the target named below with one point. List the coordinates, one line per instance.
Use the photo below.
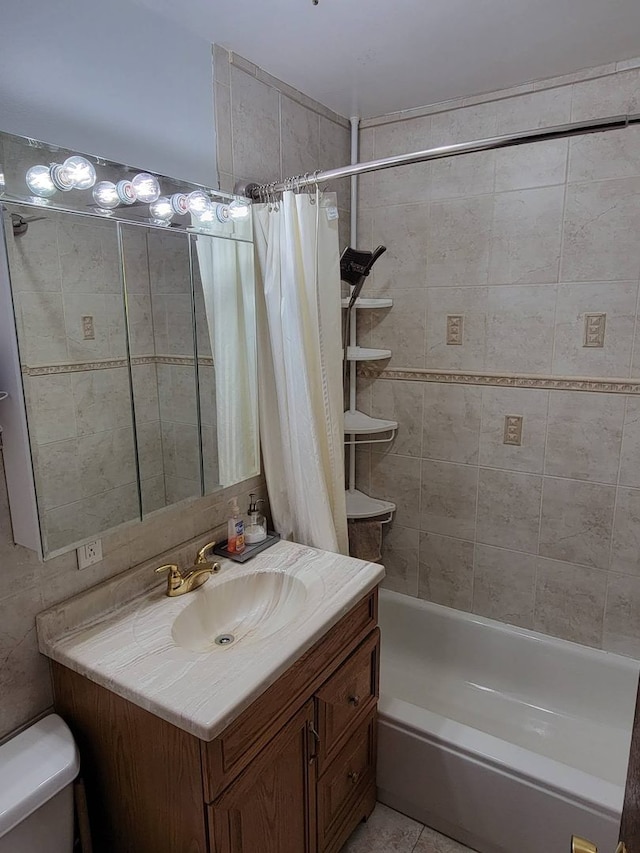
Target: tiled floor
(388, 831)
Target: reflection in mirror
(224, 287)
(67, 291)
(163, 370)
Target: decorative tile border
(109, 364)
(506, 380)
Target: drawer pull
(354, 776)
(354, 700)
(314, 732)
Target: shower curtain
(226, 271)
(300, 368)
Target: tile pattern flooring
(388, 831)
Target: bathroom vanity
(268, 744)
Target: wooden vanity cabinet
(294, 773)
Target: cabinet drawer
(344, 782)
(224, 758)
(349, 695)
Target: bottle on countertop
(256, 529)
(235, 530)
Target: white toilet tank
(37, 769)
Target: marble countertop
(126, 645)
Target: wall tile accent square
(509, 509)
(570, 602)
(455, 330)
(448, 499)
(451, 429)
(532, 406)
(577, 520)
(584, 435)
(446, 571)
(513, 430)
(594, 329)
(575, 302)
(504, 585)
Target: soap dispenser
(256, 528)
(235, 529)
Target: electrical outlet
(89, 554)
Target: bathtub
(502, 738)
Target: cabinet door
(271, 806)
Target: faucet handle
(202, 555)
(175, 575)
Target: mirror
(138, 356)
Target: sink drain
(224, 640)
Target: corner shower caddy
(356, 423)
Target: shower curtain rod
(255, 191)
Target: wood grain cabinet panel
(295, 773)
(270, 808)
(350, 775)
(348, 696)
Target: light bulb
(39, 181)
(146, 187)
(126, 192)
(161, 210)
(80, 171)
(105, 195)
(238, 209)
(60, 177)
(179, 204)
(198, 202)
(222, 212)
(207, 217)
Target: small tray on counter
(250, 550)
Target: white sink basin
(252, 606)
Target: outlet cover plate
(89, 553)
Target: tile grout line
(420, 834)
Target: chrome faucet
(179, 584)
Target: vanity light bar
(79, 173)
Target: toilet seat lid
(34, 766)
